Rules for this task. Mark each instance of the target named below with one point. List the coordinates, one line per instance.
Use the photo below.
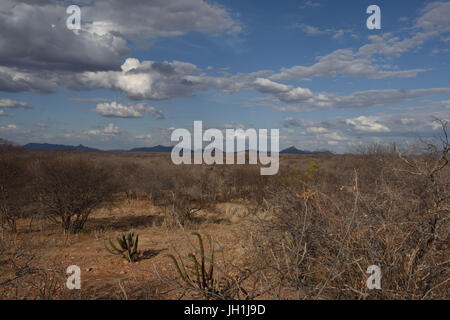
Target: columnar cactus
(198, 275)
(128, 244)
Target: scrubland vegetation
(225, 231)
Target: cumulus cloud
(38, 29)
(366, 124)
(38, 53)
(435, 16)
(432, 22)
(152, 80)
(161, 80)
(8, 103)
(359, 99)
(108, 131)
(15, 80)
(28, 40)
(144, 19)
(381, 125)
(315, 31)
(9, 127)
(309, 4)
(342, 62)
(117, 110)
(443, 104)
(146, 80)
(268, 86)
(340, 133)
(145, 137)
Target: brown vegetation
(309, 232)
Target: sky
(138, 69)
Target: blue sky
(138, 69)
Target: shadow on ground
(123, 223)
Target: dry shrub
(24, 274)
(192, 191)
(311, 245)
(14, 188)
(70, 188)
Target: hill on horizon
(157, 149)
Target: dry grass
(308, 233)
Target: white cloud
(268, 86)
(33, 34)
(27, 40)
(433, 22)
(147, 137)
(309, 4)
(315, 31)
(359, 99)
(8, 103)
(9, 127)
(342, 62)
(162, 80)
(443, 104)
(117, 110)
(150, 19)
(38, 53)
(109, 130)
(316, 130)
(14, 80)
(366, 124)
(435, 16)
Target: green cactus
(127, 248)
(197, 275)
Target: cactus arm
(114, 248)
(202, 256)
(211, 262)
(182, 275)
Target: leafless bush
(14, 188)
(24, 274)
(190, 194)
(16, 261)
(311, 245)
(70, 188)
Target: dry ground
(308, 232)
(106, 276)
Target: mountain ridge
(155, 149)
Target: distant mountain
(58, 147)
(294, 150)
(61, 147)
(158, 148)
